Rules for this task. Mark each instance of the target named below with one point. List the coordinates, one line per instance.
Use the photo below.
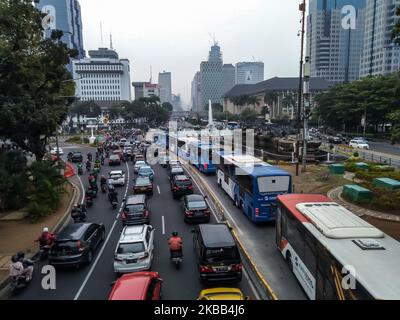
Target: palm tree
(289, 102)
(270, 98)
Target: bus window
(246, 182)
(273, 184)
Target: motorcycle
(80, 171)
(177, 259)
(103, 188)
(89, 202)
(43, 252)
(79, 218)
(18, 283)
(114, 204)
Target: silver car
(134, 251)
(139, 164)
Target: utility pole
(307, 109)
(302, 8)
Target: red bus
(334, 254)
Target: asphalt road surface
(93, 282)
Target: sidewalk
(19, 235)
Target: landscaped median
(17, 233)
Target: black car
(77, 157)
(195, 208)
(181, 185)
(76, 244)
(143, 185)
(217, 255)
(114, 160)
(136, 210)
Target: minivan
(135, 210)
(217, 255)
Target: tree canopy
(35, 85)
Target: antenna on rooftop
(111, 43)
(101, 33)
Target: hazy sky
(173, 35)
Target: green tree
(85, 108)
(34, 81)
(396, 29)
(248, 115)
(167, 106)
(217, 107)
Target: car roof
(145, 167)
(116, 172)
(216, 235)
(73, 231)
(176, 169)
(114, 156)
(194, 197)
(133, 234)
(136, 199)
(132, 286)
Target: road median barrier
(261, 284)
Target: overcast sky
(173, 35)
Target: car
(142, 285)
(164, 161)
(173, 163)
(222, 294)
(116, 178)
(77, 156)
(114, 160)
(146, 171)
(176, 171)
(54, 151)
(139, 157)
(217, 255)
(119, 153)
(76, 244)
(195, 208)
(135, 210)
(138, 164)
(181, 185)
(358, 144)
(335, 140)
(122, 142)
(143, 185)
(134, 251)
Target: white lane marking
(158, 188)
(104, 244)
(163, 225)
(83, 189)
(256, 295)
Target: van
(217, 255)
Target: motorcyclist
(112, 194)
(102, 159)
(175, 244)
(89, 156)
(78, 213)
(46, 238)
(70, 154)
(92, 179)
(17, 269)
(88, 165)
(80, 167)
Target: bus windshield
(273, 184)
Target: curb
(59, 226)
(266, 291)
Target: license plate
(131, 261)
(220, 269)
(143, 189)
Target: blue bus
(201, 156)
(253, 185)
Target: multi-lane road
(94, 281)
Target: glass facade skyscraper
(335, 52)
(65, 16)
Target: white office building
(249, 72)
(102, 77)
(381, 55)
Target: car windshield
(140, 163)
(115, 176)
(177, 170)
(134, 247)
(195, 205)
(221, 254)
(142, 181)
(183, 182)
(114, 157)
(134, 208)
(145, 170)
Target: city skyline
(236, 26)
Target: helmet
(21, 255)
(174, 234)
(45, 229)
(14, 259)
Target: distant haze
(173, 35)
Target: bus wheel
(289, 261)
(219, 184)
(236, 203)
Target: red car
(137, 286)
(119, 153)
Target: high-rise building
(211, 77)
(249, 72)
(102, 77)
(335, 51)
(196, 93)
(146, 90)
(228, 71)
(65, 15)
(165, 86)
(380, 55)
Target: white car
(116, 178)
(359, 144)
(139, 164)
(54, 151)
(134, 251)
